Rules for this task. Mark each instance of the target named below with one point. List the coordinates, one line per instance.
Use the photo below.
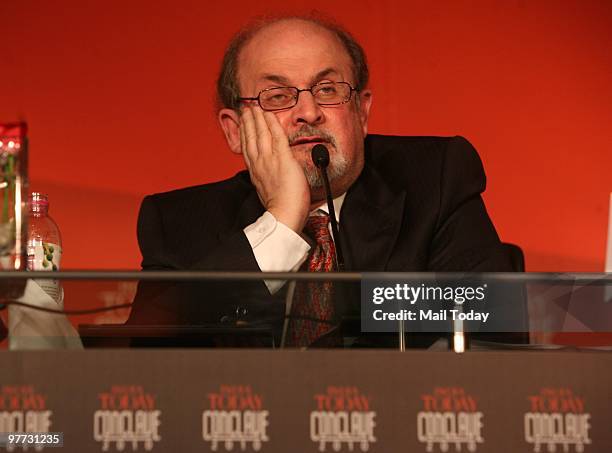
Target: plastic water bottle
(44, 246)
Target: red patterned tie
(312, 312)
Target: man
(402, 204)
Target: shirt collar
(338, 202)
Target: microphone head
(320, 156)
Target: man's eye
(327, 90)
(278, 97)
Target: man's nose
(307, 110)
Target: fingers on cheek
(242, 144)
(248, 126)
(278, 135)
(251, 140)
(263, 131)
(268, 120)
(263, 140)
(272, 122)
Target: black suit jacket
(416, 206)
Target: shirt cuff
(277, 248)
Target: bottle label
(46, 256)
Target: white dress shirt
(277, 248)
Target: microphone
(320, 157)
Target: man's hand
(277, 176)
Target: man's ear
(230, 123)
(364, 104)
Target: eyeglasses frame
(297, 97)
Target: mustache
(310, 131)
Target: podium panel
(310, 401)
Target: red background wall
(119, 99)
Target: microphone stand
(320, 157)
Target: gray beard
(337, 165)
(337, 168)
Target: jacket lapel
(249, 211)
(370, 222)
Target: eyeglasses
(280, 98)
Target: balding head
(228, 89)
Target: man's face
(301, 54)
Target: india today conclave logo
(342, 418)
(23, 410)
(450, 416)
(127, 415)
(557, 418)
(235, 414)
